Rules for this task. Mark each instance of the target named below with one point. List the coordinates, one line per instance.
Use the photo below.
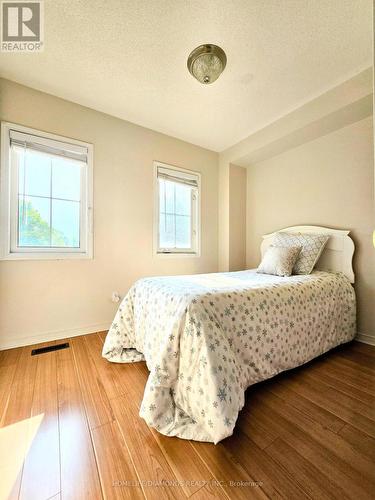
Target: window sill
(170, 255)
(46, 256)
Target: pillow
(279, 260)
(312, 247)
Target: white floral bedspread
(206, 338)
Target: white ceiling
(128, 58)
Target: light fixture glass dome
(206, 63)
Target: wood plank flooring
(69, 428)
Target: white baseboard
(366, 339)
(9, 343)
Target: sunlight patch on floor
(15, 442)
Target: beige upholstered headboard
(337, 255)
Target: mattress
(206, 338)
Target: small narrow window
(177, 210)
(46, 195)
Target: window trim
(8, 234)
(168, 253)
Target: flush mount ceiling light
(206, 63)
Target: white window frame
(195, 249)
(9, 203)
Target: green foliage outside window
(35, 231)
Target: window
(177, 210)
(46, 195)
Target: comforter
(206, 338)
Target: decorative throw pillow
(279, 260)
(312, 247)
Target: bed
(206, 338)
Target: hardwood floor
(70, 429)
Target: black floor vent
(56, 347)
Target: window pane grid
(57, 226)
(175, 216)
(50, 205)
(48, 197)
(33, 226)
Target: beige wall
(237, 218)
(327, 182)
(39, 298)
(223, 212)
(232, 217)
